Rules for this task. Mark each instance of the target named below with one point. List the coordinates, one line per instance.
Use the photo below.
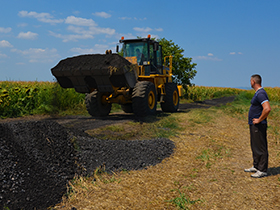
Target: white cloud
(126, 36)
(38, 55)
(125, 18)
(130, 18)
(147, 29)
(211, 58)
(71, 37)
(5, 43)
(27, 35)
(82, 28)
(79, 21)
(98, 48)
(42, 17)
(5, 30)
(210, 54)
(158, 29)
(102, 14)
(234, 53)
(22, 25)
(3, 55)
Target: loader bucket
(95, 71)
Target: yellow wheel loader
(137, 80)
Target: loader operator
(140, 57)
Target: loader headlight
(146, 63)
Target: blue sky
(228, 39)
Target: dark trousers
(259, 146)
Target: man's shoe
(252, 169)
(259, 174)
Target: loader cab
(145, 52)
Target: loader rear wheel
(171, 99)
(96, 104)
(144, 99)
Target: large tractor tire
(144, 99)
(171, 99)
(127, 108)
(96, 104)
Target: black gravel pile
(38, 158)
(36, 162)
(117, 155)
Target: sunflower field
(27, 98)
(18, 98)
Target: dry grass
(212, 150)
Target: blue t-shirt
(256, 106)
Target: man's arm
(265, 112)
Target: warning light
(122, 38)
(149, 36)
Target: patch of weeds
(125, 171)
(210, 155)
(194, 174)
(208, 165)
(159, 126)
(200, 117)
(205, 155)
(115, 128)
(218, 152)
(101, 175)
(240, 106)
(275, 132)
(111, 180)
(75, 143)
(191, 187)
(228, 153)
(116, 108)
(183, 202)
(169, 122)
(167, 126)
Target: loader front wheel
(171, 99)
(144, 99)
(96, 104)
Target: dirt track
(39, 155)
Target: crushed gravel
(38, 158)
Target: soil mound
(38, 158)
(91, 62)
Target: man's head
(256, 80)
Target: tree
(182, 69)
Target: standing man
(258, 113)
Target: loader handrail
(170, 63)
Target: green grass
(159, 126)
(182, 201)
(210, 155)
